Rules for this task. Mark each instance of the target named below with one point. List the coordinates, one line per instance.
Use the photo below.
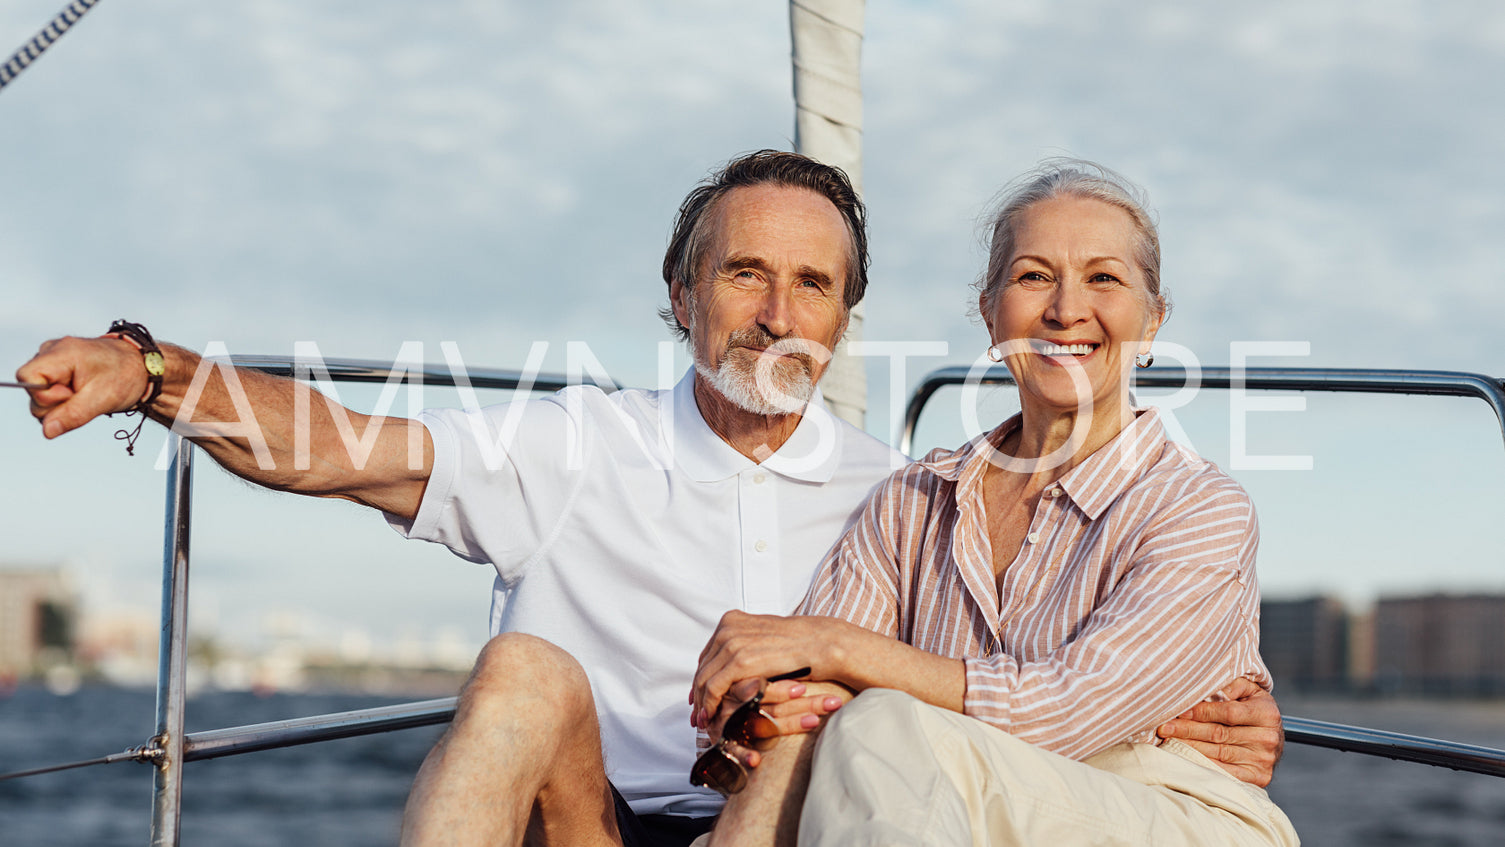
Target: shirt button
(1034, 538)
(761, 546)
(1053, 493)
(760, 478)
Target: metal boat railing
(1349, 380)
(170, 748)
(1392, 745)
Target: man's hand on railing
(85, 378)
(273, 431)
(1242, 734)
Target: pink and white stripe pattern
(1133, 598)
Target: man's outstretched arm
(1242, 734)
(297, 444)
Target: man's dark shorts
(657, 830)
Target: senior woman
(1019, 614)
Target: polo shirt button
(760, 478)
(1034, 538)
(761, 546)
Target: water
(1337, 798)
(347, 792)
(351, 792)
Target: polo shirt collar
(812, 453)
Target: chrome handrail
(272, 735)
(172, 652)
(169, 749)
(372, 370)
(1395, 745)
(232, 741)
(1359, 380)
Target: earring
(995, 354)
(1144, 360)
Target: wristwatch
(151, 357)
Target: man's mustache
(758, 338)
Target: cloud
(307, 167)
(1309, 161)
(493, 173)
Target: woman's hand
(796, 708)
(747, 649)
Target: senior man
(621, 526)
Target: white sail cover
(827, 57)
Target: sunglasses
(717, 768)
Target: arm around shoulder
(1242, 733)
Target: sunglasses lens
(761, 732)
(718, 771)
(749, 727)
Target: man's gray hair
(692, 227)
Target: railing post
(172, 652)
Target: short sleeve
(502, 477)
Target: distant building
(120, 645)
(1440, 644)
(1305, 643)
(1361, 650)
(38, 611)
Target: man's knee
(513, 667)
(876, 779)
(874, 715)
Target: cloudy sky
(498, 172)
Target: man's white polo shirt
(622, 528)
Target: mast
(827, 57)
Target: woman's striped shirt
(1132, 598)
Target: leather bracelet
(151, 357)
(156, 367)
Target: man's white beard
(762, 385)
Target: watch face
(154, 364)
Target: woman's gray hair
(1064, 177)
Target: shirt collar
(1094, 484)
(811, 454)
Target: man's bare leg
(767, 811)
(522, 758)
